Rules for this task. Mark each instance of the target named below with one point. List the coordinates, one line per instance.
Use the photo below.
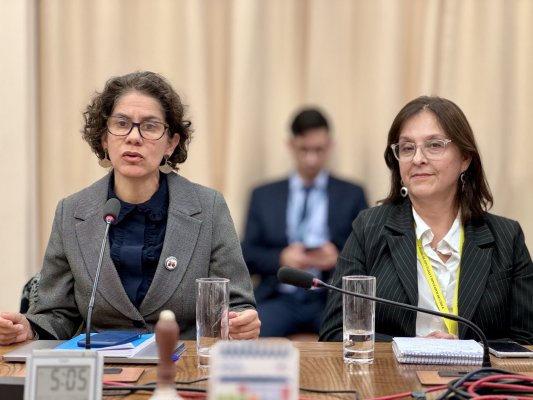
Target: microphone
(304, 279)
(111, 211)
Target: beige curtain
(244, 66)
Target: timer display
(64, 375)
(63, 382)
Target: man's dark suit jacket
(495, 282)
(266, 226)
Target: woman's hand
(14, 328)
(244, 324)
(440, 335)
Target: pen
(175, 357)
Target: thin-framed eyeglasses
(433, 149)
(122, 126)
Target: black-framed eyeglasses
(433, 149)
(122, 126)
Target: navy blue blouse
(136, 240)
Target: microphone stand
(108, 220)
(486, 357)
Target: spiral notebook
(437, 351)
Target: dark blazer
(200, 234)
(266, 227)
(495, 283)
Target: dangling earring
(164, 166)
(463, 181)
(105, 162)
(404, 191)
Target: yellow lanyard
(434, 284)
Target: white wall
(18, 257)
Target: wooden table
(321, 367)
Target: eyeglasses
(150, 130)
(433, 149)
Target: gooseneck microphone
(303, 279)
(111, 211)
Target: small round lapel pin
(171, 263)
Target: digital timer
(64, 375)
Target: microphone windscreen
(112, 209)
(295, 277)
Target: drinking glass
(358, 319)
(212, 325)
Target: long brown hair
(474, 197)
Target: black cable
(148, 388)
(457, 391)
(322, 391)
(455, 385)
(481, 390)
(191, 382)
(183, 382)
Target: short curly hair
(150, 84)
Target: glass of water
(358, 319)
(212, 324)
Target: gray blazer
(495, 283)
(200, 234)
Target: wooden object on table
(167, 334)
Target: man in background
(303, 222)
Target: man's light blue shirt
(313, 231)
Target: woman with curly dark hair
(169, 231)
